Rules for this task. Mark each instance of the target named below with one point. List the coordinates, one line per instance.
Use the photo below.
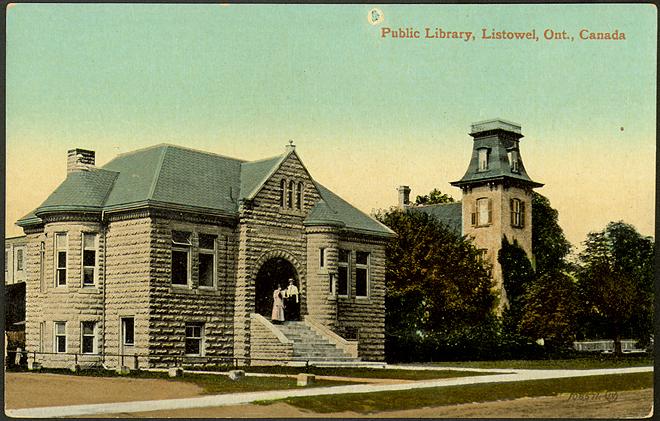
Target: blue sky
(367, 113)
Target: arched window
(289, 194)
(283, 193)
(299, 195)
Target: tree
(517, 274)
(436, 281)
(549, 245)
(550, 308)
(435, 197)
(615, 281)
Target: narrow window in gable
(299, 195)
(283, 193)
(289, 194)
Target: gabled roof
(450, 214)
(169, 175)
(333, 210)
(254, 174)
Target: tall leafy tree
(436, 280)
(517, 275)
(615, 281)
(434, 197)
(549, 245)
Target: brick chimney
(404, 196)
(79, 160)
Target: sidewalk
(243, 398)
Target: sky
(367, 113)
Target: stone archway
(274, 268)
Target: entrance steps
(311, 348)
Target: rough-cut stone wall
(267, 229)
(47, 303)
(172, 306)
(321, 303)
(366, 315)
(268, 348)
(129, 242)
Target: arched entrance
(273, 272)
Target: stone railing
(349, 347)
(268, 346)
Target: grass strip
(358, 372)
(210, 383)
(366, 403)
(560, 364)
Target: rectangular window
(60, 337)
(19, 260)
(343, 273)
(361, 274)
(181, 246)
(194, 338)
(513, 160)
(61, 246)
(483, 159)
(42, 263)
(517, 213)
(128, 331)
(484, 211)
(207, 260)
(90, 246)
(321, 257)
(88, 340)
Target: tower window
(517, 213)
(513, 160)
(484, 212)
(483, 159)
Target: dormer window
(483, 159)
(513, 160)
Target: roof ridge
(436, 204)
(154, 182)
(172, 145)
(262, 159)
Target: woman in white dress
(278, 306)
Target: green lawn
(375, 373)
(366, 403)
(566, 364)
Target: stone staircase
(311, 348)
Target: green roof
(450, 214)
(333, 210)
(171, 175)
(84, 190)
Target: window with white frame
(61, 249)
(343, 272)
(513, 160)
(88, 338)
(181, 246)
(19, 259)
(128, 331)
(483, 159)
(60, 337)
(90, 255)
(517, 213)
(484, 212)
(361, 274)
(194, 338)
(207, 266)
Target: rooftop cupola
(496, 155)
